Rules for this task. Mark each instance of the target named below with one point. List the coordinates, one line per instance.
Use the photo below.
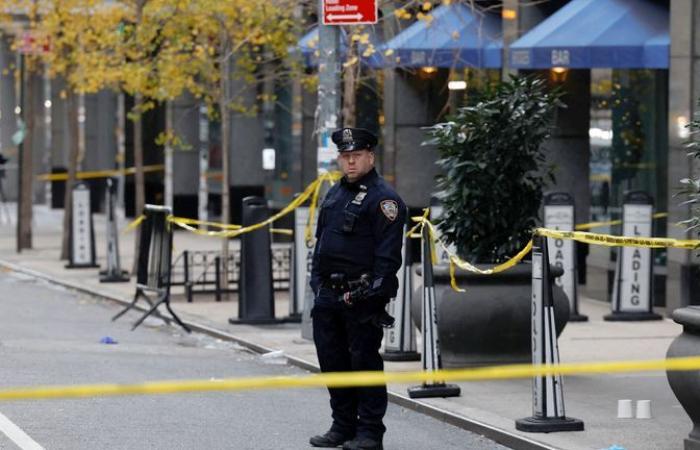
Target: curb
(498, 435)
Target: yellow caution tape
(581, 236)
(311, 191)
(617, 241)
(134, 223)
(591, 225)
(350, 379)
(99, 173)
(230, 231)
(459, 262)
(314, 191)
(188, 221)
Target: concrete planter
(686, 385)
(490, 322)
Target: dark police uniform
(359, 232)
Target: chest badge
(390, 209)
(359, 197)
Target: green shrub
(494, 170)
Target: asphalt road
(52, 336)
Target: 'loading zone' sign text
(561, 251)
(635, 285)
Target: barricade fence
(200, 271)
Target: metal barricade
(199, 272)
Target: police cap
(349, 139)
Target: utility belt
(340, 282)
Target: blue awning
(367, 47)
(631, 34)
(456, 36)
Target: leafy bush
(494, 170)
(691, 186)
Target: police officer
(356, 258)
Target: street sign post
(349, 12)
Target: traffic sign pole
(328, 92)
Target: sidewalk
(488, 407)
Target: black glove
(359, 290)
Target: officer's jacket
(360, 230)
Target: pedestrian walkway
(489, 406)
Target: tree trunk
(203, 193)
(73, 155)
(225, 146)
(24, 210)
(350, 76)
(139, 182)
(169, 132)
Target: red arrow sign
(349, 12)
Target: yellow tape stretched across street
(99, 173)
(349, 379)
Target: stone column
(569, 147)
(411, 102)
(683, 279)
(100, 139)
(247, 140)
(309, 146)
(186, 160)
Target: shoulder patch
(390, 209)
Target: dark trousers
(347, 342)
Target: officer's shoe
(363, 443)
(330, 439)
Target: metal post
(217, 278)
(113, 273)
(328, 93)
(256, 302)
(547, 392)
(430, 356)
(169, 154)
(400, 340)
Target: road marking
(17, 436)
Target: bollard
(400, 340)
(633, 284)
(559, 215)
(114, 272)
(301, 264)
(154, 265)
(547, 391)
(430, 357)
(82, 231)
(256, 301)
